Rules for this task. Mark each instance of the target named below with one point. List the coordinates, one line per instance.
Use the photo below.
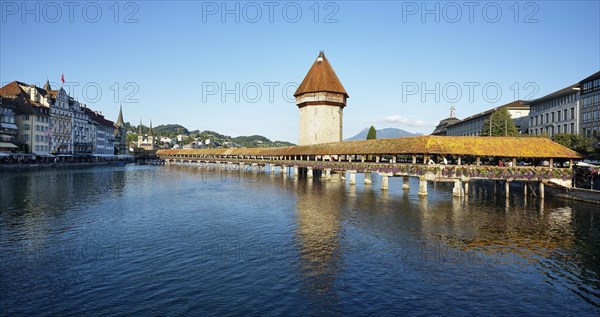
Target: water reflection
(360, 250)
(319, 216)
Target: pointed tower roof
(120, 119)
(151, 133)
(321, 78)
(140, 128)
(47, 86)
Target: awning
(2, 154)
(43, 154)
(8, 145)
(9, 125)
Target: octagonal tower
(321, 99)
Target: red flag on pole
(62, 78)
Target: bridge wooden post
(328, 175)
(422, 186)
(295, 170)
(478, 160)
(507, 188)
(466, 187)
(542, 190)
(405, 182)
(384, 181)
(283, 169)
(368, 178)
(272, 166)
(352, 177)
(457, 191)
(414, 159)
(309, 172)
(551, 163)
(459, 160)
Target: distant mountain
(170, 129)
(258, 141)
(387, 133)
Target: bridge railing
(430, 171)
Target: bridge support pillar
(542, 190)
(405, 183)
(352, 177)
(283, 169)
(457, 191)
(327, 175)
(368, 180)
(422, 186)
(309, 172)
(384, 182)
(272, 168)
(466, 188)
(295, 170)
(525, 189)
(507, 188)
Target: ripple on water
(180, 241)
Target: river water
(148, 240)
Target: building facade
(590, 104)
(102, 135)
(555, 113)
(32, 117)
(147, 141)
(46, 121)
(321, 99)
(442, 127)
(473, 125)
(82, 129)
(62, 123)
(8, 126)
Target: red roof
(321, 78)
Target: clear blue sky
(176, 53)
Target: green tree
(575, 142)
(502, 124)
(132, 138)
(372, 135)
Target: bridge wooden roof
(522, 147)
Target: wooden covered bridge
(430, 158)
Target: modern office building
(555, 113)
(590, 104)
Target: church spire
(151, 133)
(140, 128)
(120, 119)
(47, 86)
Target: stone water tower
(321, 99)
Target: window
(558, 115)
(572, 113)
(573, 128)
